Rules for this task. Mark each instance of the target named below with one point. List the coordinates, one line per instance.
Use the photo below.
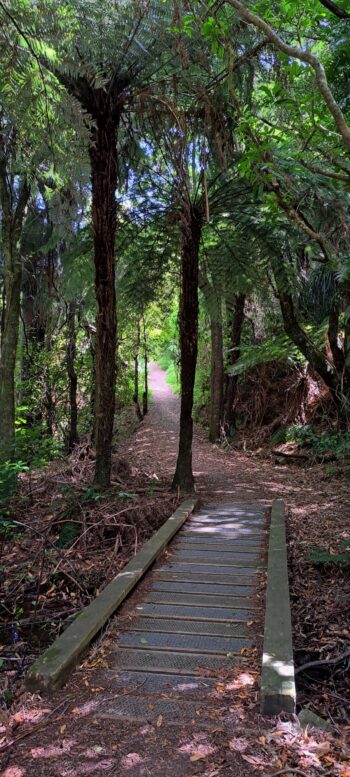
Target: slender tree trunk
(136, 371)
(2, 316)
(216, 380)
(191, 232)
(49, 403)
(93, 387)
(236, 334)
(145, 357)
(103, 158)
(33, 337)
(73, 437)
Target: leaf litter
(242, 743)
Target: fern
(320, 556)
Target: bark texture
(145, 356)
(12, 222)
(103, 159)
(191, 232)
(73, 437)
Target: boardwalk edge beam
(278, 692)
(50, 670)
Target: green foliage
(279, 436)
(278, 348)
(336, 444)
(34, 448)
(8, 529)
(321, 557)
(9, 471)
(67, 535)
(172, 376)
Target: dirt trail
(76, 742)
(219, 474)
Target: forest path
(78, 740)
(220, 475)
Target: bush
(336, 444)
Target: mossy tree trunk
(13, 209)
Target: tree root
(323, 662)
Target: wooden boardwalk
(189, 617)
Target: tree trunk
(73, 437)
(191, 232)
(136, 371)
(49, 403)
(13, 281)
(12, 222)
(145, 356)
(103, 158)
(236, 334)
(216, 380)
(315, 357)
(338, 383)
(33, 338)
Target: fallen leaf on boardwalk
(159, 721)
(63, 728)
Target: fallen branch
(35, 729)
(296, 456)
(323, 662)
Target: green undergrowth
(320, 556)
(335, 444)
(173, 378)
